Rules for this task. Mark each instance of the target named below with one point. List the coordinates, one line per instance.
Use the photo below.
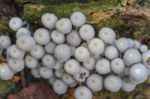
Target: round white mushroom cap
(42, 36)
(57, 37)
(72, 67)
(96, 46)
(15, 23)
(14, 52)
(90, 63)
(22, 31)
(59, 73)
(64, 25)
(36, 72)
(50, 47)
(117, 65)
(103, 66)
(48, 61)
(111, 52)
(4, 42)
(62, 52)
(113, 83)
(143, 48)
(78, 18)
(82, 92)
(58, 65)
(107, 35)
(67, 79)
(139, 73)
(122, 44)
(49, 20)
(25, 42)
(131, 56)
(73, 38)
(95, 82)
(136, 44)
(59, 87)
(81, 54)
(87, 32)
(16, 65)
(37, 52)
(46, 73)
(5, 72)
(31, 62)
(127, 86)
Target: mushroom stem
(23, 81)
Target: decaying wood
(39, 90)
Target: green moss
(6, 87)
(4, 27)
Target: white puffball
(16, 65)
(78, 18)
(62, 52)
(14, 52)
(87, 32)
(31, 62)
(37, 52)
(117, 65)
(122, 44)
(45, 72)
(90, 63)
(136, 44)
(95, 82)
(143, 48)
(22, 31)
(83, 92)
(111, 52)
(25, 42)
(82, 75)
(59, 87)
(107, 35)
(49, 20)
(5, 72)
(96, 46)
(113, 83)
(48, 61)
(103, 66)
(59, 72)
(81, 54)
(57, 37)
(127, 86)
(4, 42)
(73, 38)
(15, 23)
(139, 73)
(58, 65)
(50, 47)
(36, 72)
(64, 25)
(67, 79)
(146, 58)
(72, 67)
(131, 56)
(42, 36)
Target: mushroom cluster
(68, 53)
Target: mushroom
(122, 44)
(31, 62)
(95, 82)
(143, 48)
(113, 83)
(90, 63)
(48, 61)
(45, 72)
(42, 36)
(57, 37)
(22, 31)
(77, 18)
(59, 87)
(36, 72)
(86, 32)
(15, 23)
(50, 47)
(103, 66)
(67, 79)
(49, 20)
(82, 92)
(64, 25)
(59, 72)
(25, 42)
(107, 35)
(146, 58)
(72, 67)
(127, 86)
